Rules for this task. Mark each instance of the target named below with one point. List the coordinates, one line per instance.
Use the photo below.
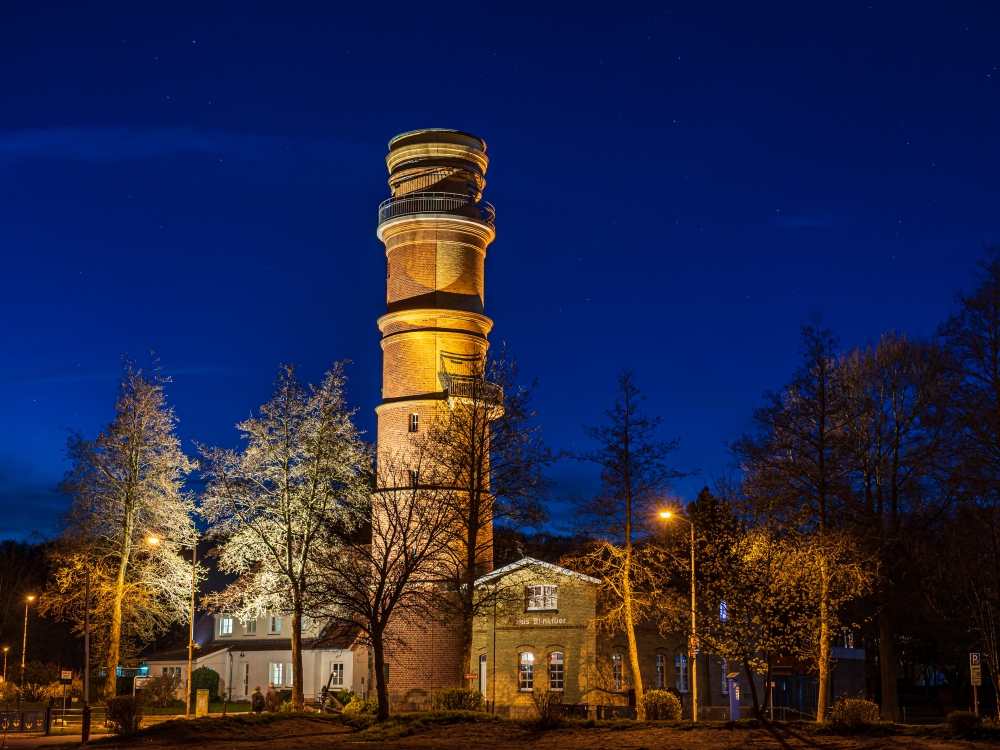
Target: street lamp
(24, 644)
(5, 650)
(693, 647)
(155, 541)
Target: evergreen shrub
(661, 705)
(964, 722)
(204, 678)
(362, 707)
(459, 699)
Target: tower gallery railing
(465, 386)
(442, 203)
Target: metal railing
(467, 386)
(441, 203)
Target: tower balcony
(474, 388)
(436, 203)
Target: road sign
(975, 659)
(976, 674)
(66, 677)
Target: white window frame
(250, 628)
(226, 626)
(542, 597)
(337, 674)
(414, 422)
(681, 673)
(274, 625)
(525, 672)
(276, 673)
(557, 671)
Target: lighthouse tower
(436, 228)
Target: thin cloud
(135, 144)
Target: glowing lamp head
(31, 597)
(153, 540)
(666, 514)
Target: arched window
(556, 673)
(661, 672)
(681, 672)
(723, 612)
(526, 677)
(616, 671)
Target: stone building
(540, 636)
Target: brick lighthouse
(436, 229)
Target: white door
(482, 675)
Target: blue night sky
(678, 186)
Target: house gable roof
(531, 562)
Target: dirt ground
(312, 734)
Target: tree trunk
(298, 698)
(633, 650)
(115, 634)
(823, 700)
(768, 689)
(753, 688)
(381, 689)
(887, 664)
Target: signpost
(976, 677)
(65, 678)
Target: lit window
(681, 672)
(275, 625)
(723, 612)
(290, 673)
(414, 422)
(725, 677)
(226, 626)
(336, 674)
(540, 597)
(250, 627)
(661, 668)
(556, 671)
(303, 624)
(414, 477)
(616, 671)
(526, 677)
(277, 672)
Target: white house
(259, 653)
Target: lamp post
(693, 647)
(5, 650)
(154, 541)
(24, 643)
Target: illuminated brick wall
(434, 327)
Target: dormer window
(225, 625)
(275, 626)
(541, 597)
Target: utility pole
(24, 644)
(85, 721)
(693, 645)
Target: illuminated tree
(621, 517)
(126, 485)
(303, 467)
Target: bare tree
(392, 576)
(634, 479)
(487, 451)
(126, 485)
(894, 402)
(791, 468)
(303, 467)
